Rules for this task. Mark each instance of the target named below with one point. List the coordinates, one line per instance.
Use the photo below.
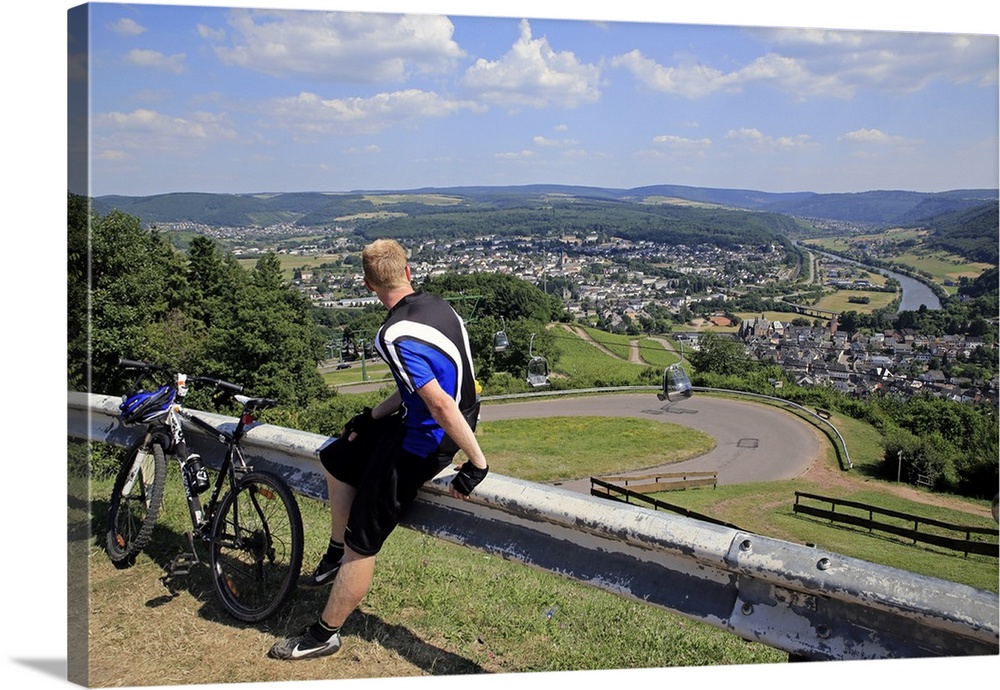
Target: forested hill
(317, 209)
(971, 233)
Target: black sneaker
(305, 646)
(323, 575)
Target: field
(944, 268)
(839, 301)
(291, 262)
(426, 199)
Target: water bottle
(196, 474)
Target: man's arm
(445, 411)
(363, 420)
(388, 406)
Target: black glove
(360, 422)
(468, 478)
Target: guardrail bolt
(745, 545)
(746, 609)
(823, 631)
(823, 564)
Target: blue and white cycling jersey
(421, 339)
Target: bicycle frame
(232, 463)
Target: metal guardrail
(808, 602)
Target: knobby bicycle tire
(132, 514)
(256, 547)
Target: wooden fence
(986, 545)
(663, 481)
(604, 488)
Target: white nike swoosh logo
(297, 654)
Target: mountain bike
(250, 523)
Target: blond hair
(384, 264)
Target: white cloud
(757, 138)
(546, 142)
(869, 136)
(811, 62)
(346, 46)
(209, 33)
(309, 113)
(127, 27)
(872, 142)
(533, 75)
(897, 61)
(677, 142)
(691, 80)
(144, 130)
(156, 60)
(525, 154)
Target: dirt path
(633, 353)
(583, 335)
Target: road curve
(754, 442)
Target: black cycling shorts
(386, 477)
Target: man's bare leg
(341, 497)
(349, 587)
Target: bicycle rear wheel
(135, 503)
(256, 548)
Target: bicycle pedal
(181, 563)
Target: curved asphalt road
(754, 442)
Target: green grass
(290, 262)
(472, 612)
(652, 351)
(374, 372)
(942, 267)
(839, 301)
(582, 361)
(559, 448)
(616, 343)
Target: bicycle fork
(142, 465)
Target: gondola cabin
(500, 341)
(538, 372)
(676, 384)
(538, 367)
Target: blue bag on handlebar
(146, 406)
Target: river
(915, 293)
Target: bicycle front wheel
(135, 503)
(256, 549)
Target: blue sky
(214, 99)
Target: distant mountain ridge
(877, 208)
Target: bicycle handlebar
(219, 383)
(143, 366)
(147, 367)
